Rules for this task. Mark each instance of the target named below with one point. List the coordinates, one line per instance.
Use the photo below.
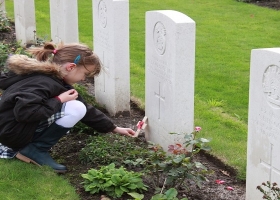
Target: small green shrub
(114, 182)
(112, 148)
(5, 24)
(10, 49)
(170, 194)
(4, 49)
(82, 128)
(82, 90)
(175, 168)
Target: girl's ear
(70, 66)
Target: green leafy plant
(270, 191)
(112, 148)
(114, 182)
(82, 90)
(5, 24)
(136, 195)
(175, 168)
(170, 194)
(9, 49)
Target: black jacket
(30, 88)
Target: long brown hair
(79, 54)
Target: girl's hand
(68, 95)
(124, 131)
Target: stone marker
(64, 21)
(25, 24)
(111, 43)
(170, 65)
(263, 157)
(2, 6)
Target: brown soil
(273, 4)
(68, 150)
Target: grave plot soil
(68, 149)
(70, 146)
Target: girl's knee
(75, 108)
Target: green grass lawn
(20, 181)
(226, 32)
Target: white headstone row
(111, 43)
(63, 16)
(170, 60)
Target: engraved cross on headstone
(160, 98)
(270, 163)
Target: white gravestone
(25, 24)
(64, 21)
(170, 65)
(263, 157)
(111, 44)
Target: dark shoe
(32, 154)
(37, 153)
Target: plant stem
(163, 186)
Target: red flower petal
(220, 181)
(179, 145)
(229, 188)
